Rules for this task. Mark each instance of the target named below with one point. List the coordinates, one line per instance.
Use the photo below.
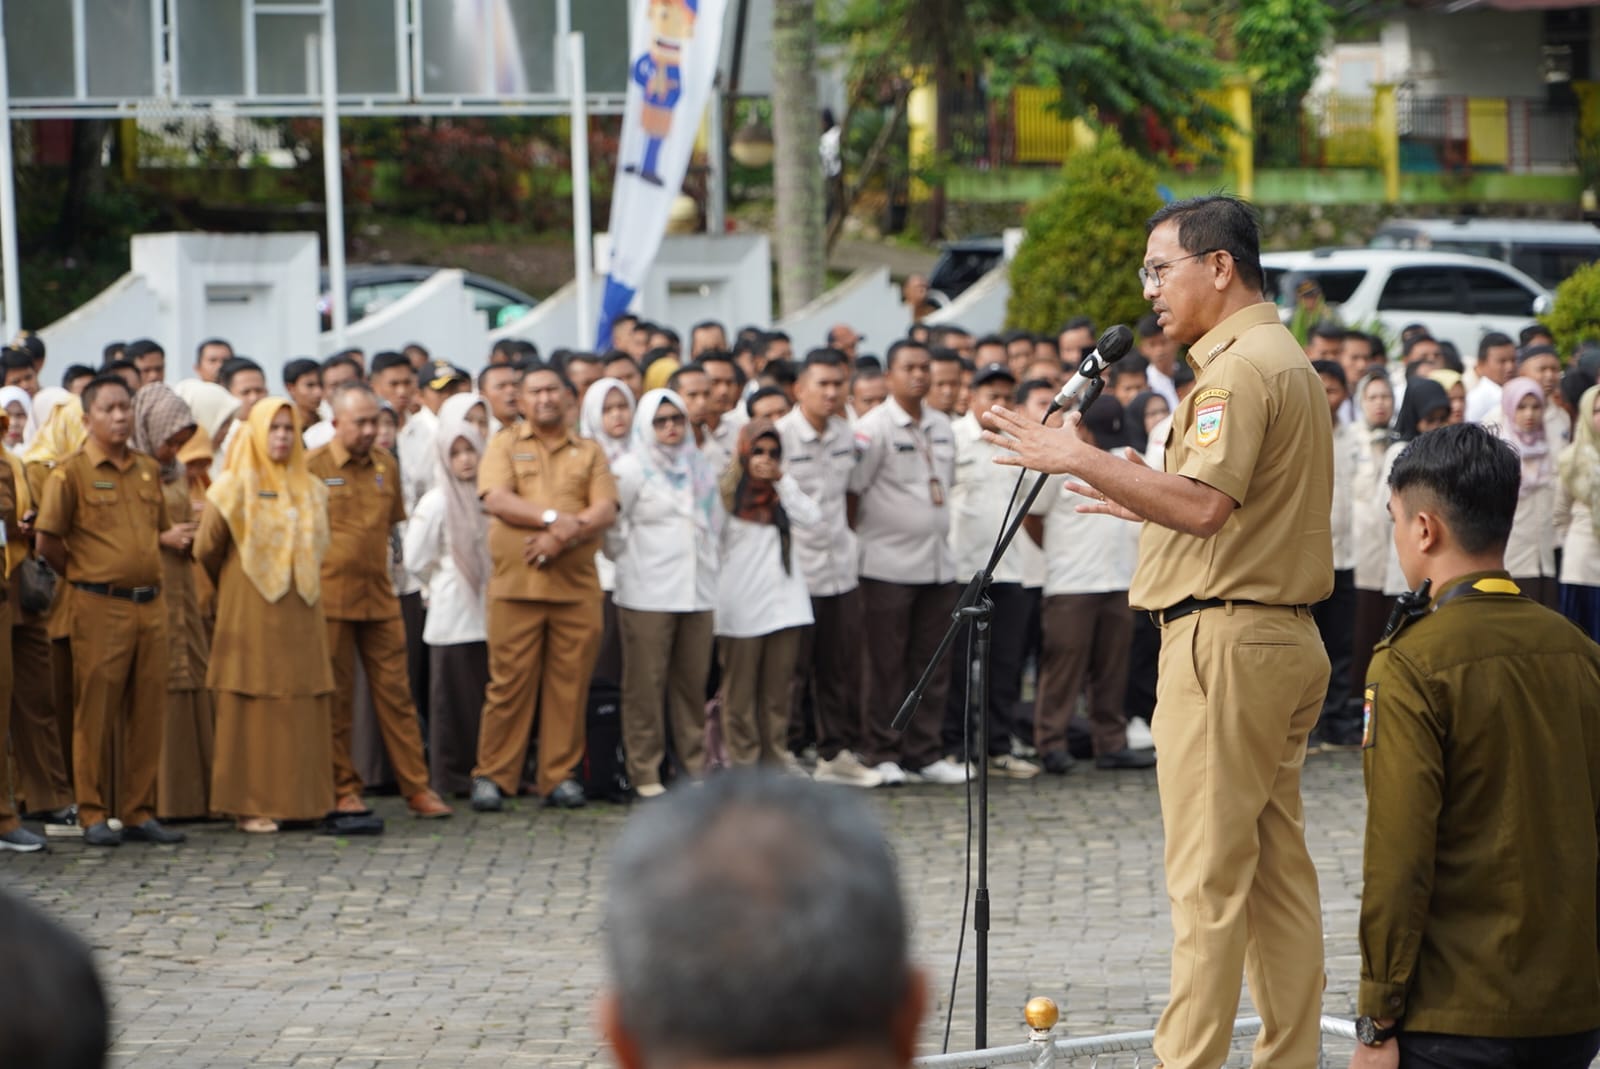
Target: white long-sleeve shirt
(456, 612)
(418, 464)
(821, 464)
(1084, 553)
(979, 500)
(666, 561)
(755, 596)
(1348, 443)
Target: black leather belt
(1189, 606)
(138, 595)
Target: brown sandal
(257, 825)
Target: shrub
(1575, 316)
(1084, 242)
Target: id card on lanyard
(935, 485)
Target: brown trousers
(903, 625)
(36, 747)
(756, 673)
(382, 647)
(541, 654)
(1086, 642)
(664, 654)
(10, 819)
(828, 665)
(120, 709)
(1241, 687)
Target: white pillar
(582, 226)
(333, 176)
(8, 201)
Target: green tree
(1084, 242)
(1279, 42)
(1575, 316)
(796, 170)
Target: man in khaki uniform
(359, 600)
(1236, 546)
(102, 525)
(551, 495)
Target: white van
(1546, 251)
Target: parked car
(1458, 298)
(370, 287)
(1547, 251)
(962, 263)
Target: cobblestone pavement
(474, 942)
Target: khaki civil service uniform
(183, 789)
(37, 742)
(10, 819)
(58, 626)
(110, 516)
(544, 624)
(363, 611)
(1240, 687)
(1482, 760)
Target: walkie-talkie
(1407, 607)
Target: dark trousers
(828, 672)
(1336, 622)
(1086, 641)
(1016, 616)
(1144, 660)
(414, 617)
(904, 623)
(1437, 1050)
(1372, 612)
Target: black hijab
(1423, 398)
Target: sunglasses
(668, 421)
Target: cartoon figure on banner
(659, 73)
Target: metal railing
(1045, 1050)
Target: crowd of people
(229, 602)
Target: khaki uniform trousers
(756, 674)
(382, 647)
(120, 707)
(10, 820)
(36, 743)
(541, 655)
(664, 653)
(1240, 688)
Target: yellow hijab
(61, 435)
(17, 549)
(277, 513)
(660, 371)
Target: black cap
(990, 372)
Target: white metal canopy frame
(117, 59)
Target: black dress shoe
(1126, 758)
(1058, 762)
(486, 796)
(153, 831)
(568, 795)
(102, 834)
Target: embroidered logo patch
(1369, 717)
(1208, 422)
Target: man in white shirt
(819, 452)
(1497, 363)
(899, 509)
(982, 496)
(1161, 354)
(718, 430)
(1339, 727)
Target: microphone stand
(976, 607)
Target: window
(1489, 293)
(1550, 265)
(1421, 289)
(374, 297)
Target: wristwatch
(1370, 1035)
(549, 517)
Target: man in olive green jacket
(1482, 760)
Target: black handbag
(36, 586)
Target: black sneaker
(1125, 758)
(568, 795)
(153, 831)
(62, 823)
(22, 841)
(102, 834)
(1058, 762)
(486, 796)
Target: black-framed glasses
(675, 420)
(1150, 277)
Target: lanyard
(935, 486)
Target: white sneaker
(789, 763)
(890, 774)
(649, 790)
(947, 772)
(1013, 767)
(1139, 737)
(848, 770)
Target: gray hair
(757, 916)
(345, 389)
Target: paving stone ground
(474, 942)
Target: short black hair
(765, 391)
(198, 349)
(722, 356)
(616, 356)
(675, 380)
(989, 339)
(709, 324)
(1334, 370)
(941, 334)
(75, 372)
(900, 346)
(578, 358)
(1471, 475)
(341, 361)
(1492, 340)
(1216, 223)
(1149, 325)
(483, 376)
(673, 341)
(299, 368)
(1328, 330)
(1132, 364)
(112, 351)
(825, 357)
(1018, 335)
(388, 359)
(142, 347)
(1414, 341)
(236, 366)
(53, 1012)
(1532, 331)
(32, 344)
(14, 360)
(777, 373)
(100, 382)
(1380, 346)
(1077, 323)
(109, 369)
(1027, 389)
(865, 373)
(561, 376)
(1183, 374)
(941, 355)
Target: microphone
(1112, 346)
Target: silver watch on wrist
(549, 517)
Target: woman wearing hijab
(1578, 511)
(213, 407)
(606, 417)
(1531, 549)
(1143, 413)
(1425, 407)
(262, 540)
(162, 424)
(1454, 389)
(762, 598)
(1373, 529)
(18, 407)
(447, 547)
(45, 403)
(665, 546)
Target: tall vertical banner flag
(674, 49)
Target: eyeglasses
(668, 421)
(773, 453)
(1150, 277)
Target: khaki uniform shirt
(568, 478)
(364, 504)
(903, 477)
(109, 515)
(1255, 427)
(1482, 761)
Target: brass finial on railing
(1042, 1014)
